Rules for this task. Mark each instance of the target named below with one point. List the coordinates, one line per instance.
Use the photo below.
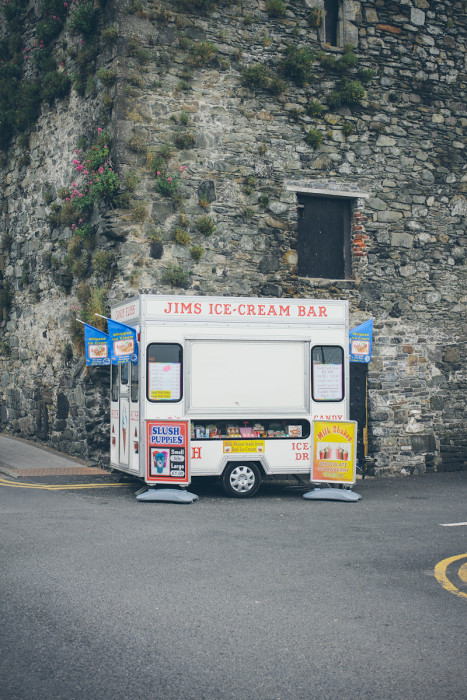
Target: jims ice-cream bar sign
(245, 309)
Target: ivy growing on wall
(30, 74)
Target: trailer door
(114, 414)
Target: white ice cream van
(226, 387)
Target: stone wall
(180, 82)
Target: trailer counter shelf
(246, 376)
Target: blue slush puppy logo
(160, 459)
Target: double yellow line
(53, 487)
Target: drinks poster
(167, 452)
(334, 451)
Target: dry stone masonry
(248, 107)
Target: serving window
(164, 372)
(327, 382)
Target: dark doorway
(358, 404)
(331, 9)
(323, 244)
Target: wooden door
(323, 245)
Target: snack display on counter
(246, 431)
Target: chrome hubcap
(242, 479)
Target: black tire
(241, 479)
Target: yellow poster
(236, 446)
(334, 451)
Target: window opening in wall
(323, 243)
(164, 372)
(328, 373)
(124, 376)
(331, 10)
(114, 369)
(134, 391)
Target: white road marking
(452, 524)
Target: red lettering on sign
(196, 453)
(300, 446)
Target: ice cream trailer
(226, 387)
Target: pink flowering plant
(167, 184)
(96, 180)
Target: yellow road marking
(440, 573)
(53, 487)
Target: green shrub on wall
(181, 236)
(297, 64)
(351, 92)
(206, 225)
(197, 252)
(83, 18)
(276, 8)
(315, 17)
(176, 276)
(314, 138)
(202, 53)
(256, 76)
(55, 85)
(202, 6)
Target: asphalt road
(104, 597)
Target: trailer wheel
(241, 479)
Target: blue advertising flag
(123, 343)
(361, 340)
(96, 344)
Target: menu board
(164, 381)
(327, 382)
(334, 451)
(167, 452)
